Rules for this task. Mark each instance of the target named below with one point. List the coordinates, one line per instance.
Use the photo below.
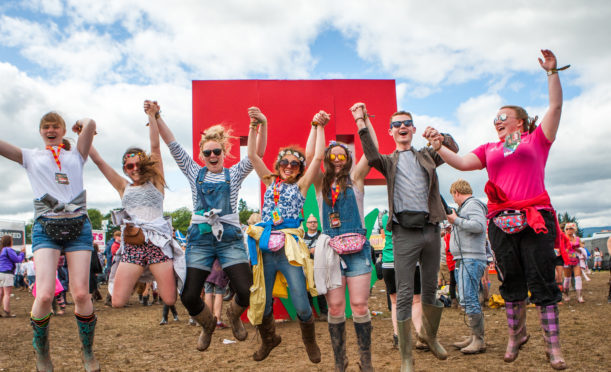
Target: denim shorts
(84, 242)
(200, 253)
(213, 288)
(355, 264)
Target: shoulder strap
(227, 175)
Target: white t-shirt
(42, 171)
(29, 268)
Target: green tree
(566, 217)
(181, 219)
(28, 232)
(95, 216)
(244, 211)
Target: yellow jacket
(297, 254)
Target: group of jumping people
(515, 166)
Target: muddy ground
(130, 339)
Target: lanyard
(334, 195)
(276, 192)
(56, 154)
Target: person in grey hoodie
(468, 246)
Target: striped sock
(85, 318)
(42, 322)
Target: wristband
(555, 70)
(314, 124)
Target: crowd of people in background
(427, 243)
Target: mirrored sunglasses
(284, 163)
(397, 124)
(500, 118)
(217, 152)
(340, 157)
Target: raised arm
(360, 171)
(313, 169)
(370, 147)
(321, 118)
(257, 118)
(85, 139)
(255, 159)
(162, 127)
(11, 152)
(551, 120)
(152, 111)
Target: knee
(45, 299)
(359, 309)
(190, 300)
(169, 299)
(118, 302)
(336, 310)
(81, 296)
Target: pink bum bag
(276, 241)
(348, 243)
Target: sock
(42, 322)
(578, 283)
(567, 283)
(362, 318)
(336, 319)
(85, 318)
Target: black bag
(63, 229)
(412, 220)
(95, 267)
(379, 273)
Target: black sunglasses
(216, 152)
(397, 124)
(284, 163)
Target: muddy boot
(308, 335)
(208, 323)
(337, 331)
(86, 332)
(464, 343)
(145, 301)
(363, 338)
(405, 345)
(516, 322)
(431, 316)
(40, 341)
(140, 299)
(565, 294)
(548, 315)
(234, 311)
(108, 301)
(478, 345)
(269, 339)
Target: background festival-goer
(571, 266)
(218, 234)
(280, 245)
(468, 247)
(8, 261)
(516, 169)
(310, 238)
(56, 177)
(598, 259)
(214, 290)
(450, 263)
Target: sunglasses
(130, 166)
(500, 118)
(217, 152)
(340, 157)
(285, 163)
(397, 124)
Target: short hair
(6, 241)
(116, 234)
(462, 187)
(402, 112)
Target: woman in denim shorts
(142, 198)
(215, 230)
(340, 193)
(56, 177)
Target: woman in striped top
(215, 231)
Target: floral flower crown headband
(295, 153)
(131, 155)
(335, 143)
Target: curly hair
(529, 124)
(54, 117)
(281, 153)
(147, 166)
(217, 133)
(6, 241)
(342, 178)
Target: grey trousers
(411, 246)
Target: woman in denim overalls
(283, 201)
(339, 192)
(215, 227)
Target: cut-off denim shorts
(40, 239)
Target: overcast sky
(455, 63)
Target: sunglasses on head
(130, 166)
(500, 118)
(397, 124)
(340, 157)
(217, 152)
(285, 163)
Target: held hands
(151, 108)
(434, 137)
(321, 118)
(359, 111)
(549, 60)
(78, 126)
(256, 116)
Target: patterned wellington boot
(548, 315)
(86, 332)
(40, 341)
(516, 322)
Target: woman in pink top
(571, 265)
(516, 194)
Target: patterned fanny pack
(348, 243)
(511, 222)
(276, 241)
(63, 229)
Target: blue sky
(454, 64)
